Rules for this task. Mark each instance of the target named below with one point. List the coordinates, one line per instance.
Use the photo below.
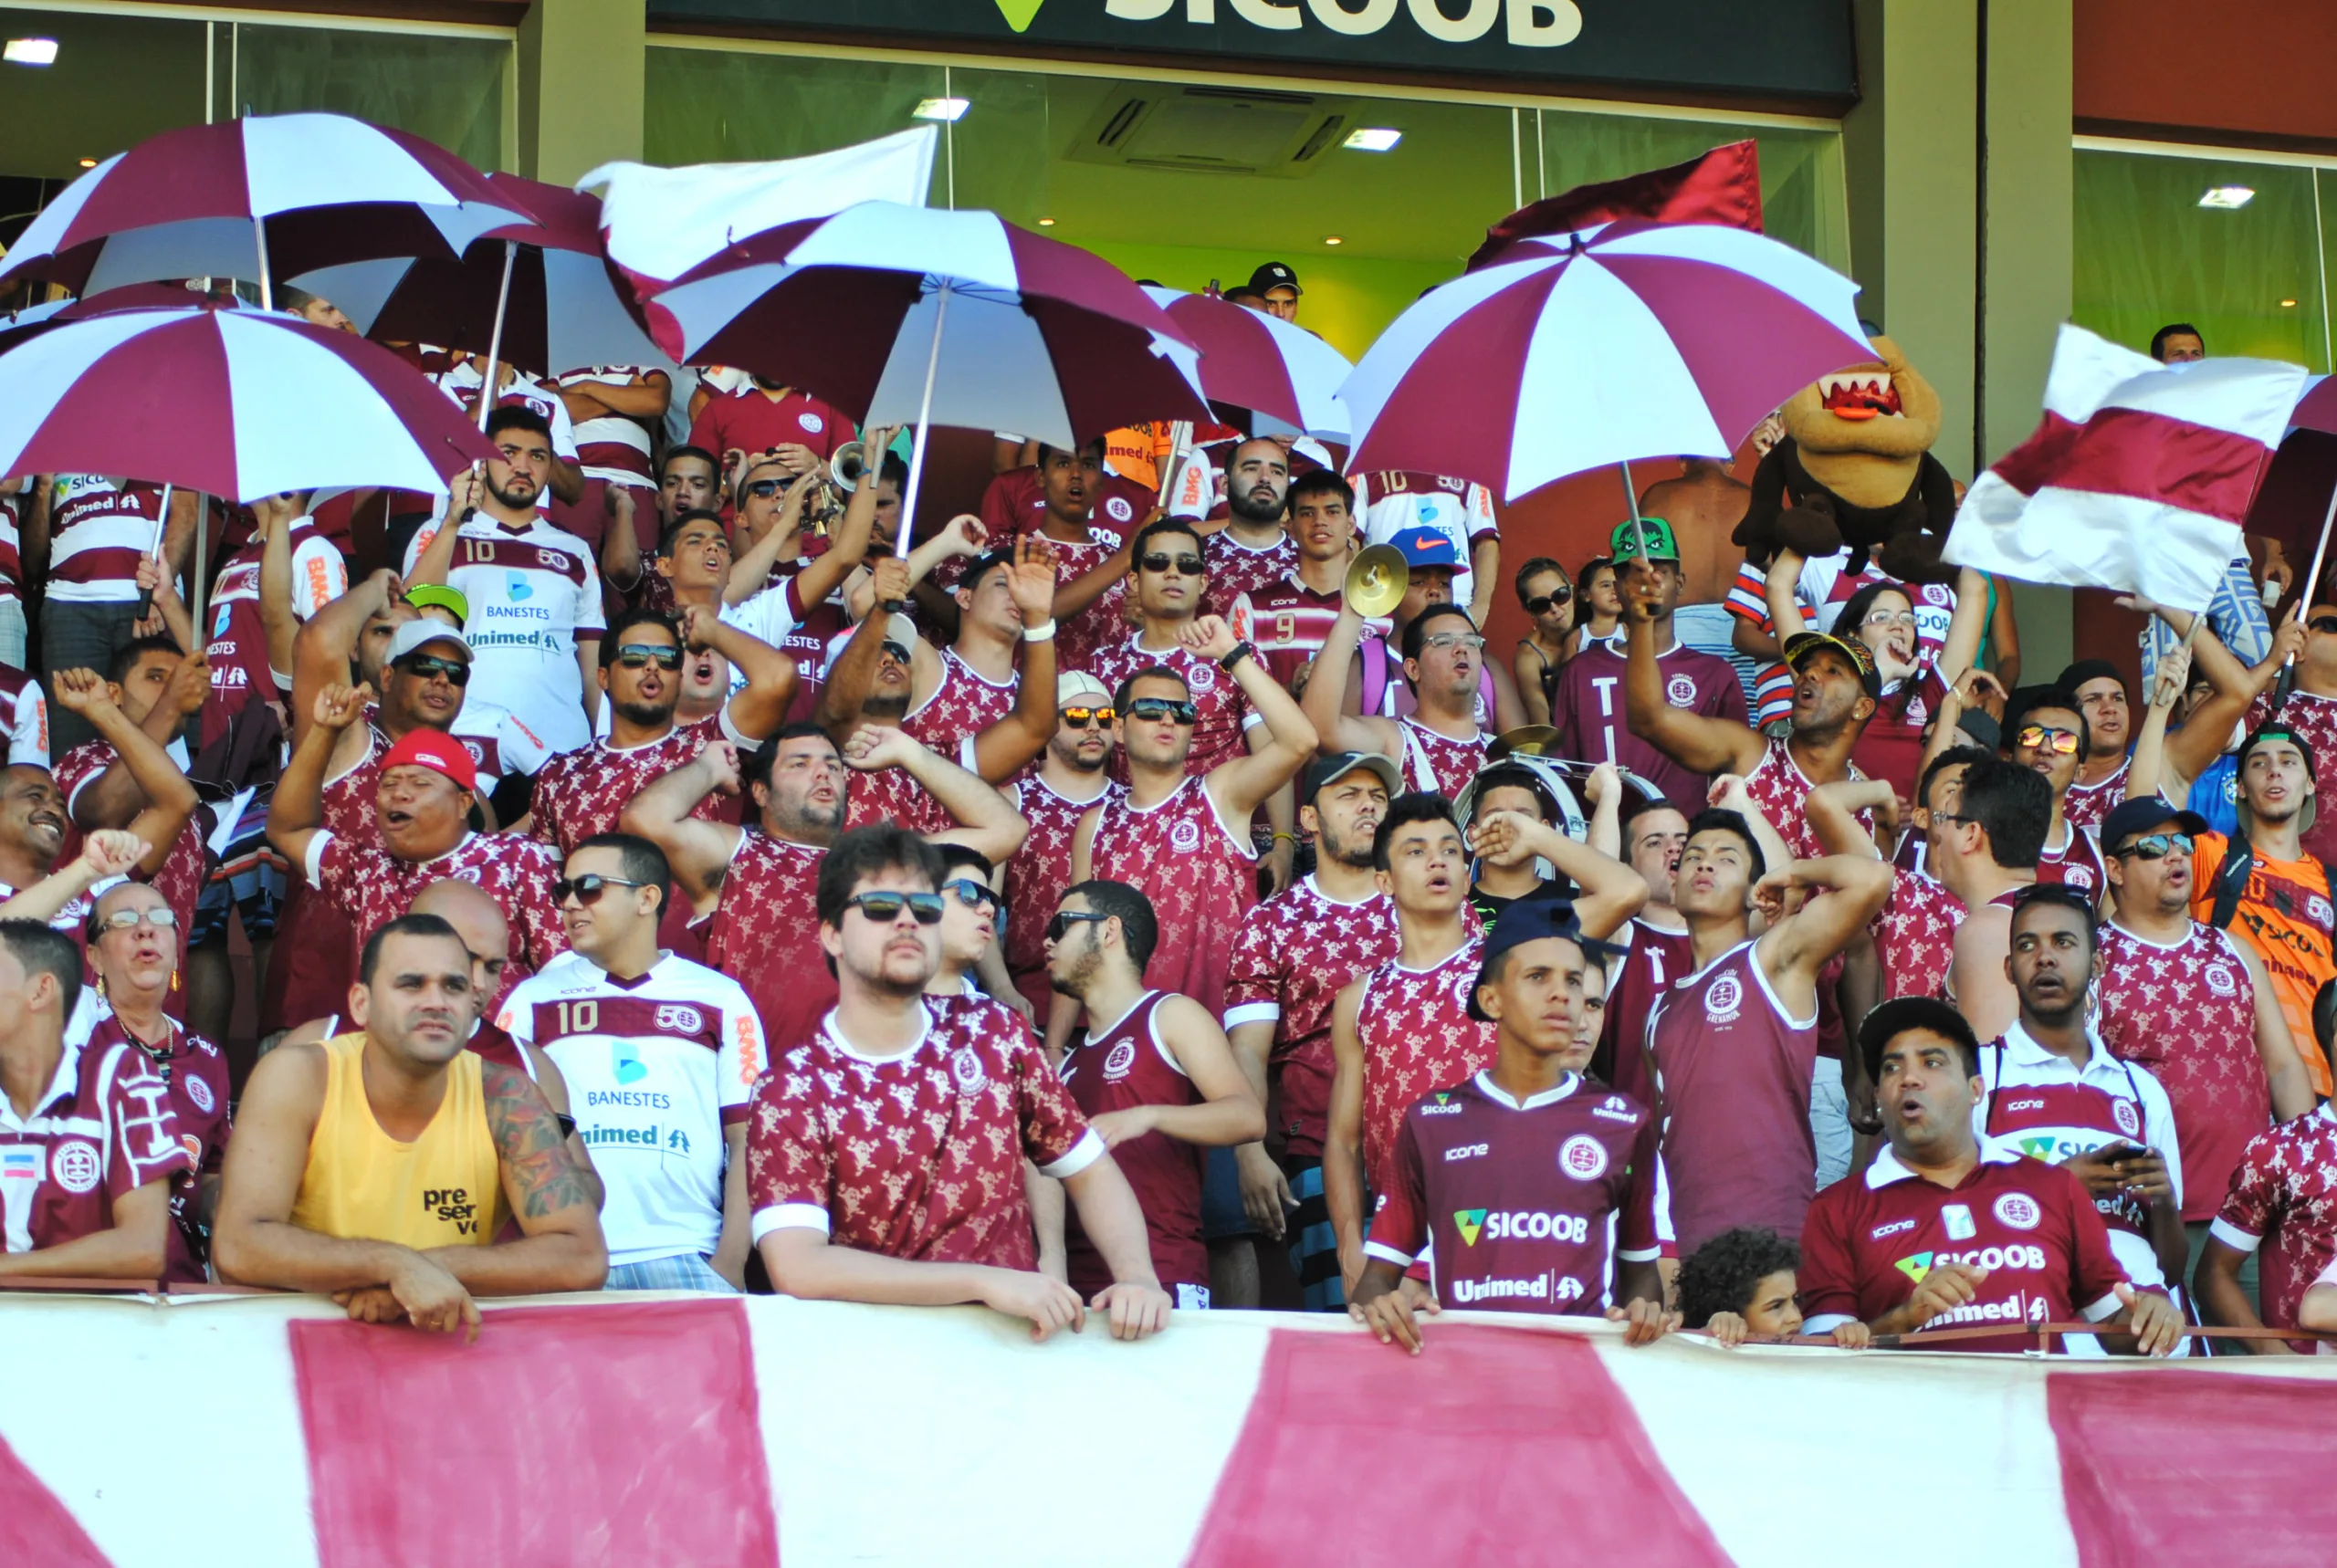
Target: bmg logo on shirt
(452, 1204)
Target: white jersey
(499, 744)
(461, 383)
(535, 594)
(655, 1071)
(1387, 503)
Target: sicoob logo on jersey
(1723, 997)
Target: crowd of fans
(665, 876)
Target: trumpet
(849, 466)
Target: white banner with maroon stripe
(258, 1431)
(2138, 476)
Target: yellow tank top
(444, 1189)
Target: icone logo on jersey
(1723, 997)
(2018, 1210)
(676, 1018)
(1119, 1058)
(1989, 1258)
(1467, 1152)
(2221, 980)
(1893, 1228)
(76, 1165)
(200, 1092)
(1583, 1157)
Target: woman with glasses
(1548, 599)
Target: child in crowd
(1741, 1283)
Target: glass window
(116, 81)
(446, 88)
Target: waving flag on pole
(2137, 478)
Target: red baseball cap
(440, 753)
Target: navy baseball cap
(1336, 766)
(1529, 920)
(1424, 546)
(2140, 815)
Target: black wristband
(1235, 655)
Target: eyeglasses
(764, 489)
(2156, 846)
(641, 655)
(884, 908)
(974, 895)
(160, 918)
(1085, 718)
(2324, 624)
(429, 667)
(1447, 640)
(1060, 926)
(1154, 710)
(587, 889)
(1543, 603)
(1889, 618)
(2039, 736)
(1186, 565)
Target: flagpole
(2288, 681)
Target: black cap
(1897, 1017)
(1530, 919)
(1275, 275)
(2275, 730)
(2086, 670)
(1802, 644)
(1332, 766)
(2140, 815)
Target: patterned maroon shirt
(765, 934)
(1235, 569)
(917, 1156)
(1035, 878)
(581, 793)
(964, 705)
(2078, 862)
(2187, 1013)
(180, 880)
(197, 1075)
(1294, 954)
(1914, 936)
(893, 795)
(1126, 1066)
(103, 1129)
(1781, 790)
(1223, 707)
(1438, 763)
(2285, 1192)
(373, 887)
(1201, 877)
(2089, 805)
(1418, 1037)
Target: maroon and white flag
(2138, 477)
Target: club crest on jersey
(1583, 1157)
(1121, 1057)
(2128, 1120)
(966, 1069)
(679, 1019)
(76, 1165)
(811, 421)
(2221, 980)
(2317, 907)
(1681, 690)
(1723, 999)
(1200, 677)
(1117, 508)
(1185, 837)
(200, 1092)
(2077, 876)
(1934, 593)
(2019, 1210)
(479, 752)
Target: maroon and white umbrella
(1570, 352)
(263, 196)
(1275, 369)
(240, 403)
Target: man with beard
(2100, 783)
(936, 1213)
(753, 885)
(535, 597)
(1442, 742)
(2045, 730)
(1052, 797)
(1253, 551)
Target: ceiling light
(941, 108)
(1332, 239)
(89, 162)
(1373, 139)
(30, 52)
(2288, 304)
(1046, 223)
(2228, 197)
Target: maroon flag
(1724, 186)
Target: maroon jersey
(1734, 1068)
(196, 1075)
(1223, 712)
(1036, 876)
(2285, 1192)
(1417, 1038)
(2187, 1013)
(311, 979)
(2087, 805)
(916, 1155)
(373, 887)
(1517, 1203)
(1126, 1065)
(2078, 862)
(1914, 935)
(1780, 789)
(964, 705)
(181, 877)
(236, 648)
(1015, 502)
(1104, 621)
(2040, 1104)
(765, 934)
(746, 419)
(1892, 745)
(1588, 711)
(893, 795)
(103, 1129)
(1236, 569)
(1288, 623)
(1294, 955)
(1652, 958)
(1201, 874)
(1872, 1239)
(581, 793)
(1438, 763)
(2314, 719)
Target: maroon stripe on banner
(565, 1435)
(2126, 452)
(2031, 465)
(1493, 1445)
(37, 1528)
(2163, 1465)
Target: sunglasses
(587, 889)
(429, 667)
(2037, 736)
(1543, 603)
(1060, 926)
(974, 895)
(893, 650)
(1186, 565)
(640, 655)
(885, 907)
(764, 489)
(1154, 710)
(1085, 717)
(160, 918)
(2324, 624)
(2158, 846)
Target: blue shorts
(1223, 1215)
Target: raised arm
(1777, 590)
(1965, 627)
(435, 559)
(169, 794)
(1242, 785)
(1698, 742)
(1609, 891)
(296, 810)
(760, 707)
(115, 797)
(282, 627)
(620, 543)
(106, 852)
(322, 649)
(1728, 793)
(1081, 591)
(1324, 704)
(987, 822)
(853, 672)
(1847, 892)
(1002, 749)
(697, 851)
(1832, 811)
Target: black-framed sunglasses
(1543, 603)
(1060, 926)
(429, 667)
(640, 655)
(2156, 846)
(974, 895)
(1161, 560)
(884, 908)
(2324, 624)
(764, 489)
(893, 650)
(587, 889)
(1154, 710)
(1087, 717)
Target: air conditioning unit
(1214, 130)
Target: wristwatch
(1243, 650)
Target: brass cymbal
(1376, 581)
(1526, 740)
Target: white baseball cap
(1074, 686)
(415, 634)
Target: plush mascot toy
(1855, 469)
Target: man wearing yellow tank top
(381, 1167)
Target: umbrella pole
(1632, 499)
(194, 584)
(2288, 681)
(492, 375)
(259, 238)
(902, 535)
(162, 521)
